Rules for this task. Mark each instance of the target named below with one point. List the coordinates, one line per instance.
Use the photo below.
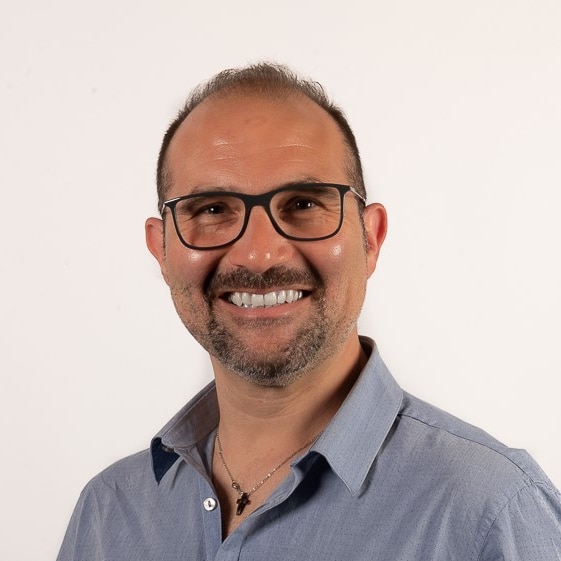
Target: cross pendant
(242, 502)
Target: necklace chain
(243, 499)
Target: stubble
(283, 362)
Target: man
(304, 447)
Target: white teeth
(247, 300)
(269, 299)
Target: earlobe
(375, 225)
(154, 229)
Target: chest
(317, 520)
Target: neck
(289, 415)
(263, 428)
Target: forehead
(245, 140)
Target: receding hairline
(268, 81)
(289, 99)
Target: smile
(247, 300)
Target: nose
(261, 246)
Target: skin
(253, 144)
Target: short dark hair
(267, 79)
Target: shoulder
(462, 444)
(101, 506)
(124, 482)
(131, 471)
(474, 484)
(514, 506)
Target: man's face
(252, 145)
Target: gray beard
(281, 368)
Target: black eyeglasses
(303, 212)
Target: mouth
(267, 300)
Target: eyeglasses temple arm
(357, 194)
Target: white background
(457, 110)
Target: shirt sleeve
(82, 539)
(528, 528)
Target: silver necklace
(243, 499)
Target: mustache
(279, 275)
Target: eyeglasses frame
(263, 200)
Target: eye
(301, 204)
(214, 208)
(206, 207)
(307, 200)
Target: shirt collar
(366, 416)
(353, 438)
(193, 423)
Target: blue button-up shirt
(391, 478)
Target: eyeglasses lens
(305, 213)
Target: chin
(273, 363)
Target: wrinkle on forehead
(288, 143)
(232, 168)
(233, 139)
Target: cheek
(345, 265)
(195, 258)
(345, 256)
(336, 251)
(187, 267)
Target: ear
(375, 225)
(154, 229)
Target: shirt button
(209, 504)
